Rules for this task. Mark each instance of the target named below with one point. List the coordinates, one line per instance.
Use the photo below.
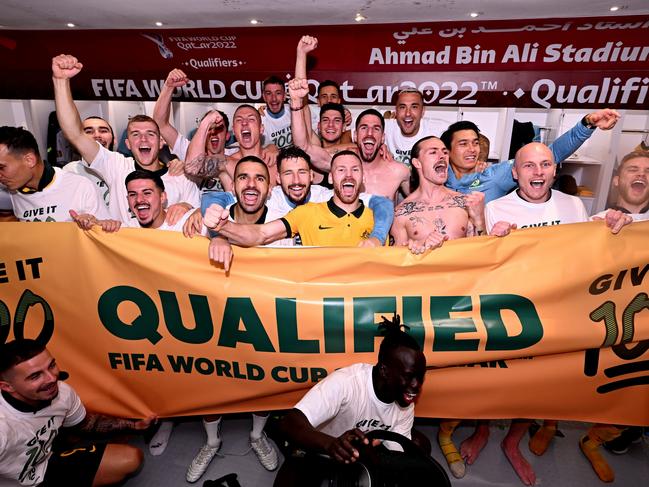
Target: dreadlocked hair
(394, 336)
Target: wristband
(293, 109)
(587, 124)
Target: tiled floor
(563, 465)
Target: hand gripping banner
(544, 323)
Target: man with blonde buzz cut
(535, 204)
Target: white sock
(158, 443)
(213, 431)
(258, 423)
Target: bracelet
(586, 123)
(296, 109)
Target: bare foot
(521, 466)
(473, 445)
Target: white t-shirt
(26, 438)
(278, 130)
(114, 168)
(66, 192)
(78, 167)
(181, 146)
(400, 145)
(346, 399)
(560, 209)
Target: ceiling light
(159, 24)
(70, 24)
(360, 17)
(255, 21)
(473, 15)
(615, 8)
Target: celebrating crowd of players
(293, 175)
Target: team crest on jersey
(475, 183)
(365, 235)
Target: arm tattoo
(205, 166)
(98, 423)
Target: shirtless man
(248, 130)
(382, 175)
(433, 213)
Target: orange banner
(547, 323)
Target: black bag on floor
(381, 467)
(229, 480)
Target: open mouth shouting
(638, 185)
(144, 155)
(440, 168)
(537, 183)
(369, 149)
(214, 142)
(250, 198)
(348, 190)
(408, 124)
(246, 137)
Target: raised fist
(65, 66)
(176, 78)
(307, 44)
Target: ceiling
(142, 14)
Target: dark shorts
(74, 467)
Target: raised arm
(162, 108)
(304, 47)
(65, 67)
(198, 164)
(216, 218)
(298, 88)
(572, 140)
